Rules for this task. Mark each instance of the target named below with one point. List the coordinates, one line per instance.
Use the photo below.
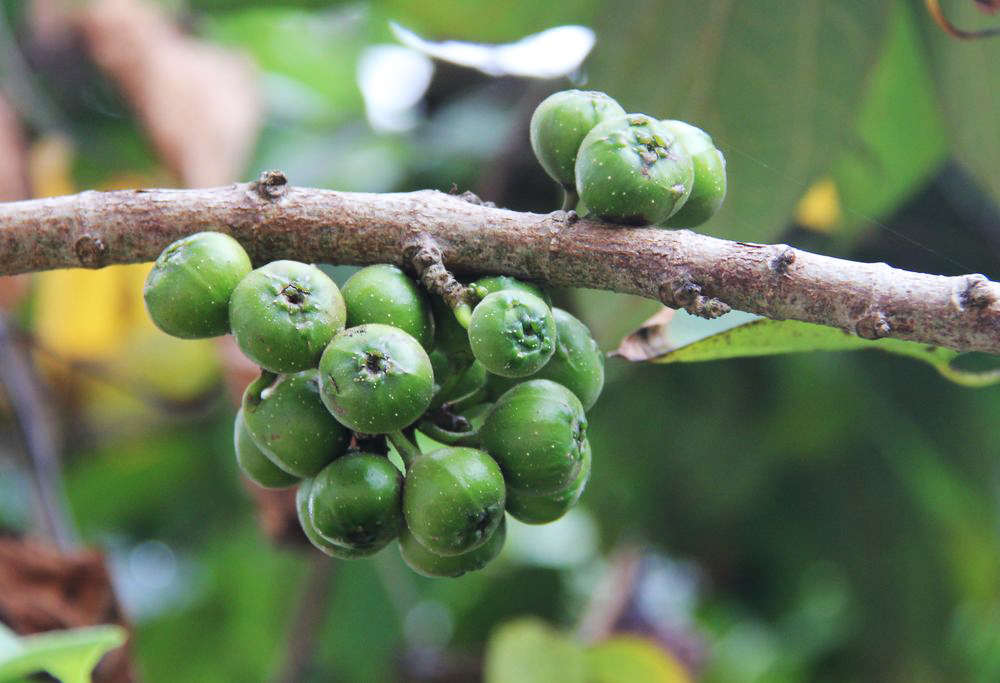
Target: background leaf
(69, 655)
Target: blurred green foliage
(841, 510)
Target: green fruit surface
(631, 170)
(287, 420)
(577, 364)
(536, 432)
(384, 294)
(376, 378)
(542, 508)
(252, 461)
(302, 496)
(709, 190)
(424, 562)
(357, 501)
(559, 125)
(499, 283)
(284, 314)
(512, 333)
(188, 290)
(453, 499)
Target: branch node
(271, 185)
(473, 198)
(427, 259)
(782, 260)
(91, 251)
(874, 326)
(687, 295)
(978, 292)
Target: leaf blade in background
(682, 338)
(883, 166)
(967, 82)
(631, 659)
(529, 651)
(779, 96)
(68, 655)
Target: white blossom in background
(393, 79)
(552, 53)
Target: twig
(313, 600)
(678, 267)
(17, 377)
(938, 15)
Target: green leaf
(631, 659)
(967, 84)
(900, 137)
(777, 84)
(528, 651)
(682, 338)
(69, 655)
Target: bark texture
(683, 269)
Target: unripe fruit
(357, 502)
(252, 461)
(709, 189)
(512, 333)
(384, 294)
(453, 499)
(559, 125)
(631, 170)
(577, 364)
(188, 290)
(284, 314)
(499, 283)
(287, 420)
(542, 508)
(305, 521)
(536, 433)
(424, 562)
(375, 378)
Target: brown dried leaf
(44, 589)
(199, 102)
(649, 341)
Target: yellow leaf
(632, 659)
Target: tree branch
(682, 269)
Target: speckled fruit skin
(631, 170)
(424, 562)
(453, 499)
(305, 521)
(188, 290)
(498, 283)
(288, 422)
(284, 314)
(536, 432)
(709, 190)
(376, 378)
(559, 125)
(512, 333)
(252, 461)
(577, 364)
(384, 294)
(548, 507)
(357, 502)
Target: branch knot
(271, 185)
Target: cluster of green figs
(627, 169)
(497, 387)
